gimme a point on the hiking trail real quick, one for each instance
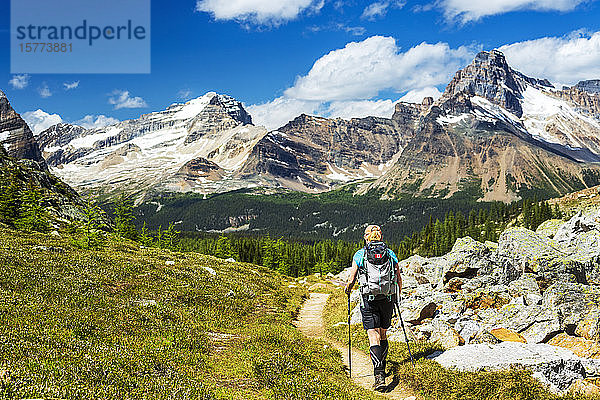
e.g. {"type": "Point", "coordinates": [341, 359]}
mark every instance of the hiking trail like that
{"type": "Point", "coordinates": [310, 322]}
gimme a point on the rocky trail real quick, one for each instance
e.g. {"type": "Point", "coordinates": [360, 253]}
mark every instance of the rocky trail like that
{"type": "Point", "coordinates": [310, 322]}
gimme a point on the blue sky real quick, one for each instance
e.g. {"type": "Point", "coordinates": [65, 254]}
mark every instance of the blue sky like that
{"type": "Point", "coordinates": [329, 57]}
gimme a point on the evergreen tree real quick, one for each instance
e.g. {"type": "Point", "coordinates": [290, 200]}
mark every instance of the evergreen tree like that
{"type": "Point", "coordinates": [32, 216]}
{"type": "Point", "coordinates": [124, 218]}
{"type": "Point", "coordinates": [170, 238]}
{"type": "Point", "coordinates": [89, 228]}
{"type": "Point", "coordinates": [145, 238]}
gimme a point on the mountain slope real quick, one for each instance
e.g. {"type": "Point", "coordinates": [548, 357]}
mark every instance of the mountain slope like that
{"type": "Point", "coordinates": [191, 146]}
{"type": "Point", "coordinates": [15, 136]}
{"type": "Point", "coordinates": [128, 322]}
{"type": "Point", "coordinates": [499, 135]}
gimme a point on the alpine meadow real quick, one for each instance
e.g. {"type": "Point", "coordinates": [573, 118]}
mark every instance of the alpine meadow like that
{"type": "Point", "coordinates": [301, 199]}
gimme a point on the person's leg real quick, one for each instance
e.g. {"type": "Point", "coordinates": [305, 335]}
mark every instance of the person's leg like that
{"type": "Point", "coordinates": [383, 343]}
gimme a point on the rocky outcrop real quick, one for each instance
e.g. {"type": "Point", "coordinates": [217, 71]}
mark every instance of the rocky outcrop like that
{"type": "Point", "coordinates": [15, 136]}
{"type": "Point", "coordinates": [590, 86]}
{"type": "Point", "coordinates": [314, 153]}
{"type": "Point", "coordinates": [557, 367]}
{"type": "Point", "coordinates": [495, 133]}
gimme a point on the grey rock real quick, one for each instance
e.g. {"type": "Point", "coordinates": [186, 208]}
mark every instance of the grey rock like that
{"type": "Point", "coordinates": [577, 306]}
{"type": "Point", "coordinates": [554, 366]}
{"type": "Point", "coordinates": [567, 234]}
{"type": "Point", "coordinates": [414, 311]}
{"type": "Point", "coordinates": [526, 284]}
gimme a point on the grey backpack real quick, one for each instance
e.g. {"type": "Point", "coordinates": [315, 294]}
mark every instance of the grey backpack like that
{"type": "Point", "coordinates": [377, 275]}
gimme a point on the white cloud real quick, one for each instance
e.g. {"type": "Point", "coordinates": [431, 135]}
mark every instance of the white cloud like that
{"type": "Point", "coordinates": [562, 60]}
{"type": "Point", "coordinates": [361, 108]}
{"type": "Point", "coordinates": [346, 82]}
{"type": "Point", "coordinates": [72, 85]}
{"type": "Point", "coordinates": [95, 121]}
{"type": "Point", "coordinates": [417, 95]}
{"type": "Point", "coordinates": [267, 12]}
{"type": "Point", "coordinates": [39, 120]}
{"type": "Point", "coordinates": [122, 99]}
{"type": "Point", "coordinates": [278, 112]}
{"type": "Point", "coordinates": [469, 10]}
{"type": "Point", "coordinates": [380, 8]}
{"type": "Point", "coordinates": [184, 94]}
{"type": "Point", "coordinates": [44, 91]}
{"type": "Point", "coordinates": [361, 70]}
{"type": "Point", "coordinates": [19, 81]}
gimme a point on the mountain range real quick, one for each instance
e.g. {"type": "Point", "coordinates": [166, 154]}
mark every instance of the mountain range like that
{"type": "Point", "coordinates": [494, 134]}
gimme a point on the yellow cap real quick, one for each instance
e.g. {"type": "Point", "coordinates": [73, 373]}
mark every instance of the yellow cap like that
{"type": "Point", "coordinates": [372, 233]}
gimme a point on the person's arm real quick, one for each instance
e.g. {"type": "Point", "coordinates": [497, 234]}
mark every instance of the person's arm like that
{"type": "Point", "coordinates": [351, 277]}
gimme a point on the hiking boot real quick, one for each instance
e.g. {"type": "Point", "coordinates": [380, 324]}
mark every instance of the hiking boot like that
{"type": "Point", "coordinates": [379, 384]}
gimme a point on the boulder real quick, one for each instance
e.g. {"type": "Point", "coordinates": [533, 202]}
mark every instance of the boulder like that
{"type": "Point", "coordinates": [554, 366]}
{"type": "Point", "coordinates": [535, 253]}
{"type": "Point", "coordinates": [549, 227]}
{"type": "Point", "coordinates": [584, 387]}
{"type": "Point", "coordinates": [465, 259]}
{"type": "Point", "coordinates": [578, 307]}
{"type": "Point", "coordinates": [568, 233]}
{"type": "Point", "coordinates": [507, 335]}
{"type": "Point", "coordinates": [414, 311]}
{"type": "Point", "coordinates": [468, 329]}
{"type": "Point", "coordinates": [582, 347]}
{"type": "Point", "coordinates": [445, 335]}
{"type": "Point", "coordinates": [524, 285]}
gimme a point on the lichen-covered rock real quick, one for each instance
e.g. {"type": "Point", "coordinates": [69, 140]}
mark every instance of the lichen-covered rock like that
{"type": "Point", "coordinates": [549, 228]}
{"type": "Point", "coordinates": [578, 306]}
{"type": "Point", "coordinates": [414, 311]}
{"type": "Point", "coordinates": [529, 251]}
{"type": "Point", "coordinates": [524, 285]}
{"type": "Point", "coordinates": [580, 346]}
{"type": "Point", "coordinates": [507, 335]}
{"type": "Point", "coordinates": [584, 387]}
{"type": "Point", "coordinates": [557, 367]}
{"type": "Point", "coordinates": [445, 335]}
{"type": "Point", "coordinates": [568, 233]}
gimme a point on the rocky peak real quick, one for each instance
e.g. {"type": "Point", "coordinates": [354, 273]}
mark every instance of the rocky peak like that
{"type": "Point", "coordinates": [233, 107]}
{"type": "Point", "coordinates": [489, 76]}
{"type": "Point", "coordinates": [590, 86]}
{"type": "Point", "coordinates": [15, 136]}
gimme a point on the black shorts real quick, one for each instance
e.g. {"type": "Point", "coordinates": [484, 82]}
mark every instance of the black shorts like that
{"type": "Point", "coordinates": [377, 313]}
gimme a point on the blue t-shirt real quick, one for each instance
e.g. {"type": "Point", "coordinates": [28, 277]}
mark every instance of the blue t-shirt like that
{"type": "Point", "coordinates": [360, 255]}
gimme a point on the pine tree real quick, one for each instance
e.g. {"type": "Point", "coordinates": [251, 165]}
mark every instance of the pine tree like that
{"type": "Point", "coordinates": [32, 217]}
{"type": "Point", "coordinates": [145, 237]}
{"type": "Point", "coordinates": [89, 228]}
{"type": "Point", "coordinates": [124, 218]}
{"type": "Point", "coordinates": [170, 238]}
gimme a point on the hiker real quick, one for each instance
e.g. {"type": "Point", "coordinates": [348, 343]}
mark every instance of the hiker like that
{"type": "Point", "coordinates": [378, 274]}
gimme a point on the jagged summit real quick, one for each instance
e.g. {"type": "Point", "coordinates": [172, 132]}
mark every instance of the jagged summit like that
{"type": "Point", "coordinates": [590, 86]}
{"type": "Point", "coordinates": [15, 136]}
{"type": "Point", "coordinates": [489, 76]}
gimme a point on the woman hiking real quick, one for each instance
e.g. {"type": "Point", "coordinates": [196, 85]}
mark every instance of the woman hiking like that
{"type": "Point", "coordinates": [378, 274]}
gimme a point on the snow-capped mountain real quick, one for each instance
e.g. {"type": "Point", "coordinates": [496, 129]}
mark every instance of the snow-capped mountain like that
{"type": "Point", "coordinates": [196, 146]}
{"type": "Point", "coordinates": [494, 132]}
{"type": "Point", "coordinates": [500, 134]}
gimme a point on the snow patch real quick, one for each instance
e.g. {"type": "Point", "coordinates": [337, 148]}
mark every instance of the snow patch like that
{"type": "Point", "coordinates": [89, 140]}
{"type": "Point", "coordinates": [210, 271]}
{"type": "Point", "coordinates": [194, 107]}
{"type": "Point", "coordinates": [4, 135]}
{"type": "Point", "coordinates": [451, 119]}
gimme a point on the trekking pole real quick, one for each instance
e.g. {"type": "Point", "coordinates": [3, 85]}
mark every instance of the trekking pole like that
{"type": "Point", "coordinates": [412, 360]}
{"type": "Point", "coordinates": [349, 339]}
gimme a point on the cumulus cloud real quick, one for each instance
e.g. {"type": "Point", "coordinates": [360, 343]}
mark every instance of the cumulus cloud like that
{"type": "Point", "coordinates": [122, 99]}
{"type": "Point", "coordinates": [95, 121]}
{"type": "Point", "coordinates": [380, 8]}
{"type": "Point", "coordinates": [262, 12]}
{"type": "Point", "coordinates": [469, 10]}
{"type": "Point", "coordinates": [71, 85]}
{"type": "Point", "coordinates": [281, 110]}
{"type": "Point", "coordinates": [19, 81]}
{"type": "Point", "coordinates": [44, 91]}
{"type": "Point", "coordinates": [562, 60]}
{"type": "Point", "coordinates": [363, 69]}
{"type": "Point", "coordinates": [361, 108]}
{"type": "Point", "coordinates": [346, 82]}
{"type": "Point", "coordinates": [39, 120]}
{"type": "Point", "coordinates": [417, 95]}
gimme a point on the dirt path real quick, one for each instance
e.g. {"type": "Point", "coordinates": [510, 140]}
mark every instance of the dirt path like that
{"type": "Point", "coordinates": [310, 322]}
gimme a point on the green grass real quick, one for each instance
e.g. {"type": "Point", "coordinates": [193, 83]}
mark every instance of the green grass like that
{"type": "Point", "coordinates": [431, 380]}
{"type": "Point", "coordinates": [126, 322]}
